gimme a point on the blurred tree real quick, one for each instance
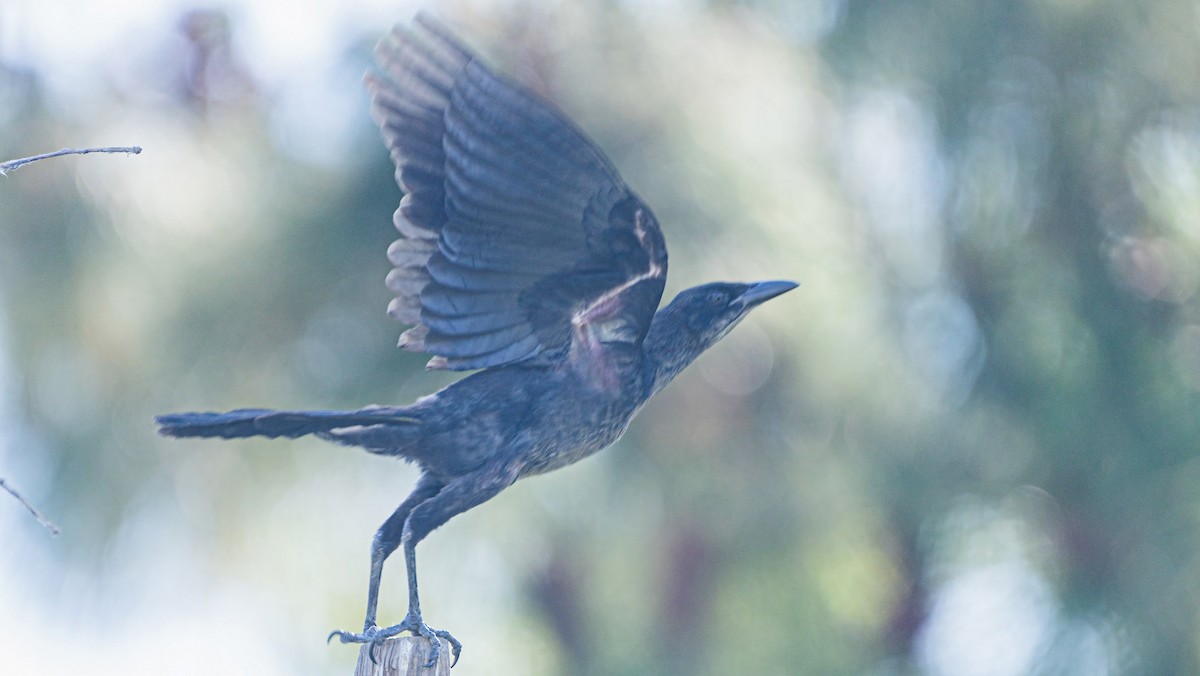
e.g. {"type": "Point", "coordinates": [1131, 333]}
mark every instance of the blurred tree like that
{"type": "Point", "coordinates": [1060, 249]}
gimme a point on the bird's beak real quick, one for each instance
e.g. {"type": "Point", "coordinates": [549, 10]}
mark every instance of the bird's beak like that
{"type": "Point", "coordinates": [764, 291]}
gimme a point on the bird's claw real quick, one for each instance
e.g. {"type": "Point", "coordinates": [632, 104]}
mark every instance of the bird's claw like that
{"type": "Point", "coordinates": [376, 636]}
{"type": "Point", "coordinates": [373, 635]}
{"type": "Point", "coordinates": [455, 646]}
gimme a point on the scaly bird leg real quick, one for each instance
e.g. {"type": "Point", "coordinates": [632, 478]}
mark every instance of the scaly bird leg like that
{"type": "Point", "coordinates": [387, 539]}
{"type": "Point", "coordinates": [455, 497]}
{"type": "Point", "coordinates": [412, 621]}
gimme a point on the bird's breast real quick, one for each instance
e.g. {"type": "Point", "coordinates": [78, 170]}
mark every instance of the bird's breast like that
{"type": "Point", "coordinates": [570, 428]}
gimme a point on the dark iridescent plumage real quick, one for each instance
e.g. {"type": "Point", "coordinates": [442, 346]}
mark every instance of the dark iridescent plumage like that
{"type": "Point", "coordinates": [524, 254]}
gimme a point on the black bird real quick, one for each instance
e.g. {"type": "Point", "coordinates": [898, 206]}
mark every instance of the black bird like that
{"type": "Point", "coordinates": [525, 255]}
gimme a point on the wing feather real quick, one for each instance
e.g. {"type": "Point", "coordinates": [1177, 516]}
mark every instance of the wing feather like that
{"type": "Point", "coordinates": [518, 235]}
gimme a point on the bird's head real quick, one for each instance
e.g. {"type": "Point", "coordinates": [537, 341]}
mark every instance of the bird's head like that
{"type": "Point", "coordinates": [700, 316]}
{"type": "Point", "coordinates": [709, 311]}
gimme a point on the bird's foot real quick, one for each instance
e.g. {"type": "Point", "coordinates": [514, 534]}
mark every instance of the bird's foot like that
{"type": "Point", "coordinates": [376, 636]}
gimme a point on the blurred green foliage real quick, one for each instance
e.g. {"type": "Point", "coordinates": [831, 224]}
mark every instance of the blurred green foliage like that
{"type": "Point", "coordinates": [967, 444]}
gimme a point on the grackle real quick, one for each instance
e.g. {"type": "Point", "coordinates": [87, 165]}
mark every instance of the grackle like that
{"type": "Point", "coordinates": [523, 256]}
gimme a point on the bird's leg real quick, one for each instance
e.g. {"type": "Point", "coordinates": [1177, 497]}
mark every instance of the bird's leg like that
{"type": "Point", "coordinates": [410, 562]}
{"type": "Point", "coordinates": [387, 538]}
{"type": "Point", "coordinates": [456, 497]}
{"type": "Point", "coordinates": [412, 620]}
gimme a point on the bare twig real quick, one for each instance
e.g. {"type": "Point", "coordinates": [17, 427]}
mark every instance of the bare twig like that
{"type": "Point", "coordinates": [32, 510]}
{"type": "Point", "coordinates": [10, 165]}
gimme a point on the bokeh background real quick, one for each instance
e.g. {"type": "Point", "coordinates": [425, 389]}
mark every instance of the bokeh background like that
{"type": "Point", "coordinates": [967, 445]}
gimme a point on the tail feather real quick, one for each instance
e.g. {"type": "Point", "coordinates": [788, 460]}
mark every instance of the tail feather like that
{"type": "Point", "coordinates": [250, 422]}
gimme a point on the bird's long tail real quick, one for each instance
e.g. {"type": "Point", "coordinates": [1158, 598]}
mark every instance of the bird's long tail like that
{"type": "Point", "coordinates": [250, 422]}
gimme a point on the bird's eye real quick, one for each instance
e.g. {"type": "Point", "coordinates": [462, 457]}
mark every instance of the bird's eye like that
{"type": "Point", "coordinates": [717, 297]}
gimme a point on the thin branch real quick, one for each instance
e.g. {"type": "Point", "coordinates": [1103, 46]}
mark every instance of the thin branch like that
{"type": "Point", "coordinates": [11, 165]}
{"type": "Point", "coordinates": [32, 510]}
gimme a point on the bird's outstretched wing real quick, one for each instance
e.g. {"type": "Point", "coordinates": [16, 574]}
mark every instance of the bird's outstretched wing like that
{"type": "Point", "coordinates": [521, 243]}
